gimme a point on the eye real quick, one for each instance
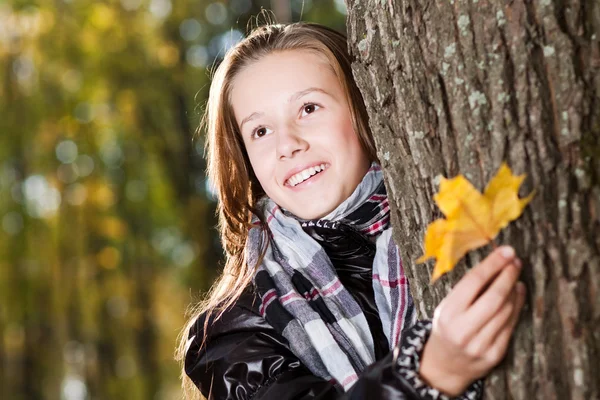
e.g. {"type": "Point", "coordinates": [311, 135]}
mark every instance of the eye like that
{"type": "Point", "coordinates": [309, 108]}
{"type": "Point", "coordinates": [260, 132]}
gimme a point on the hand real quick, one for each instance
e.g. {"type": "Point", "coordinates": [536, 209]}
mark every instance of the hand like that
{"type": "Point", "coordinates": [472, 326]}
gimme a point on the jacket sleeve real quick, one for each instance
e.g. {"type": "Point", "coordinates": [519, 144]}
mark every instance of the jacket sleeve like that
{"type": "Point", "coordinates": [243, 357]}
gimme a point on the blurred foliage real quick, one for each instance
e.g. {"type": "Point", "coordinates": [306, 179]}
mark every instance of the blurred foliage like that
{"type": "Point", "coordinates": [107, 225]}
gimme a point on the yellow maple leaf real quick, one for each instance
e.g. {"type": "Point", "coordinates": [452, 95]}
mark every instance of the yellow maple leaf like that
{"type": "Point", "coordinates": [472, 219]}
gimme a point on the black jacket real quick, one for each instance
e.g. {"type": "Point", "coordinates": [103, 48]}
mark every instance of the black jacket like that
{"type": "Point", "coordinates": [243, 356]}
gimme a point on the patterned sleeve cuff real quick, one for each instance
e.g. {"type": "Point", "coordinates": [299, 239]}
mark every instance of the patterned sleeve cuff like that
{"type": "Point", "coordinates": [409, 359]}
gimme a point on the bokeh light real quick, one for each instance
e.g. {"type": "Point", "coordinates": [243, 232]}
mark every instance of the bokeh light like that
{"type": "Point", "coordinates": [161, 8]}
{"type": "Point", "coordinates": [216, 13]}
{"type": "Point", "coordinates": [66, 151]}
{"type": "Point", "coordinates": [190, 29]}
{"type": "Point", "coordinates": [42, 199]}
{"type": "Point", "coordinates": [197, 56]}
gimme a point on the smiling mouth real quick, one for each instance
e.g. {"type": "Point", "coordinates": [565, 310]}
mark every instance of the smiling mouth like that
{"type": "Point", "coordinates": [306, 175]}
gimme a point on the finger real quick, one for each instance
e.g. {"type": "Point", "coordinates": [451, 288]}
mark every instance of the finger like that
{"type": "Point", "coordinates": [484, 338]}
{"type": "Point", "coordinates": [500, 344]}
{"type": "Point", "coordinates": [494, 297]}
{"type": "Point", "coordinates": [468, 288]}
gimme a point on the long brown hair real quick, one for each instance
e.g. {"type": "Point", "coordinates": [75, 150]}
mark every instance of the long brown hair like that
{"type": "Point", "coordinates": [229, 168]}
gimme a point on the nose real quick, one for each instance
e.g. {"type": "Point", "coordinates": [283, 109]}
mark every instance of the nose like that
{"type": "Point", "coordinates": [289, 141]}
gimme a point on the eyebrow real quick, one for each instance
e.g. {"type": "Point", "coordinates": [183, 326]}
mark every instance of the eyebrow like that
{"type": "Point", "coordinates": [293, 97]}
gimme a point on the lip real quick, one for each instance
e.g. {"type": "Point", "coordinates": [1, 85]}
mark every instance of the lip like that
{"type": "Point", "coordinates": [295, 170]}
{"type": "Point", "coordinates": [309, 182]}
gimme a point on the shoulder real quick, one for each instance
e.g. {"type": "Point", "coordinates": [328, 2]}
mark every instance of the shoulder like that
{"type": "Point", "coordinates": [242, 315]}
{"type": "Point", "coordinates": [239, 350]}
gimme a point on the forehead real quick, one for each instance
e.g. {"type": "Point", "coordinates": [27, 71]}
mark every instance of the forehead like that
{"type": "Point", "coordinates": [275, 77]}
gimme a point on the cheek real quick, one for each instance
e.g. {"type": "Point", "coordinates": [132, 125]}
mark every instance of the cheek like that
{"type": "Point", "coordinates": [347, 138]}
{"type": "Point", "coordinates": [262, 166]}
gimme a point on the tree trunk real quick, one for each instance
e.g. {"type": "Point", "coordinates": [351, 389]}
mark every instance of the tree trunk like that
{"type": "Point", "coordinates": [459, 86]}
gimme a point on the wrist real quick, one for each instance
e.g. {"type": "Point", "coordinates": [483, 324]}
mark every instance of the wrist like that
{"type": "Point", "coordinates": [445, 381]}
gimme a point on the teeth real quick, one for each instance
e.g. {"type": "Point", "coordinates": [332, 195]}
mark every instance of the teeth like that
{"type": "Point", "coordinates": [304, 175]}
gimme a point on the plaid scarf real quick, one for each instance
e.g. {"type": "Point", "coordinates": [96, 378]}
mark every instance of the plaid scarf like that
{"type": "Point", "coordinates": [303, 298]}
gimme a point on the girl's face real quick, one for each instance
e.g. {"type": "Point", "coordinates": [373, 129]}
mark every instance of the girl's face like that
{"type": "Point", "coordinates": [297, 129]}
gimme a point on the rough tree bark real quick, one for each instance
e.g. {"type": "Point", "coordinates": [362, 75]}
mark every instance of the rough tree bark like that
{"type": "Point", "coordinates": [458, 86]}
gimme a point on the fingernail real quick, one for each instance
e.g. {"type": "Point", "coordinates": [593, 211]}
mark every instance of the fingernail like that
{"type": "Point", "coordinates": [521, 287]}
{"type": "Point", "coordinates": [507, 252]}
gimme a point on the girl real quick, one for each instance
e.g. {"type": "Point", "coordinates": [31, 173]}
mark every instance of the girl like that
{"type": "Point", "coordinates": [313, 302]}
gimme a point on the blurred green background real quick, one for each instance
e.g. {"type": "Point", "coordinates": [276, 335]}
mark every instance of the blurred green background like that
{"type": "Point", "coordinates": [106, 218]}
